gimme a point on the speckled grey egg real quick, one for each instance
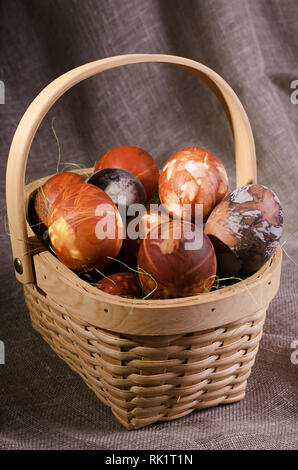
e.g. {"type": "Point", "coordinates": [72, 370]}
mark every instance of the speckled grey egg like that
{"type": "Point", "coordinates": [123, 187]}
{"type": "Point", "coordinates": [245, 228]}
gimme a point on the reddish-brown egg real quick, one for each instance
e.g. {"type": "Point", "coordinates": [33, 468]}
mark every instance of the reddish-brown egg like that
{"type": "Point", "coordinates": [137, 229]}
{"type": "Point", "coordinates": [176, 260]}
{"type": "Point", "coordinates": [192, 176]}
{"type": "Point", "coordinates": [48, 192]}
{"type": "Point", "coordinates": [135, 160]}
{"type": "Point", "coordinates": [130, 248]}
{"type": "Point", "coordinates": [245, 228]}
{"type": "Point", "coordinates": [85, 228]}
{"type": "Point", "coordinates": [125, 284]}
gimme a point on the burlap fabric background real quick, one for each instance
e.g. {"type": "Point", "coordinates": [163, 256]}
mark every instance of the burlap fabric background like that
{"type": "Point", "coordinates": [253, 44]}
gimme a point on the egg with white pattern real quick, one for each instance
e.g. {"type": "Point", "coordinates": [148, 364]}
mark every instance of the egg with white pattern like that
{"type": "Point", "coordinates": [85, 228]}
{"type": "Point", "coordinates": [195, 177]}
{"type": "Point", "coordinates": [245, 228]}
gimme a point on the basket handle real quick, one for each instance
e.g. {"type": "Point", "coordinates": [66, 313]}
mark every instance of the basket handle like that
{"type": "Point", "coordinates": [15, 177]}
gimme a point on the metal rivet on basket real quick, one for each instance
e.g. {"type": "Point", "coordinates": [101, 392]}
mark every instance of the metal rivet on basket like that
{"type": "Point", "coordinates": [18, 265]}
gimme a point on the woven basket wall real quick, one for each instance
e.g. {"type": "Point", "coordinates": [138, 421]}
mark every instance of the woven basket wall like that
{"type": "Point", "coordinates": [147, 379]}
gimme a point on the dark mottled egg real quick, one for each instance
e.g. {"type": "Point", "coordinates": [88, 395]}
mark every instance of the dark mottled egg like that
{"type": "Point", "coordinates": [46, 238]}
{"type": "Point", "coordinates": [92, 276]}
{"type": "Point", "coordinates": [135, 160]}
{"type": "Point", "coordinates": [245, 228]}
{"type": "Point", "coordinates": [123, 187]}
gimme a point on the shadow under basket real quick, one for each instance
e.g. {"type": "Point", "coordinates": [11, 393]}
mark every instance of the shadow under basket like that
{"type": "Point", "coordinates": [148, 360]}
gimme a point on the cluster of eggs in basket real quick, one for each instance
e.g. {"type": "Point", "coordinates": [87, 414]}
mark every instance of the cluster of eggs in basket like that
{"type": "Point", "coordinates": [185, 231]}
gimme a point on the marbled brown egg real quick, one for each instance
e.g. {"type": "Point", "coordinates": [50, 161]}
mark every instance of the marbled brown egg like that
{"type": "Point", "coordinates": [50, 190]}
{"type": "Point", "coordinates": [85, 229]}
{"type": "Point", "coordinates": [171, 263]}
{"type": "Point", "coordinates": [137, 228]}
{"type": "Point", "coordinates": [192, 176]}
{"type": "Point", "coordinates": [245, 228]}
{"type": "Point", "coordinates": [125, 284]}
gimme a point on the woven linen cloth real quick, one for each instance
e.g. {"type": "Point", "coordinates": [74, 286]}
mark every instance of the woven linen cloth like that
{"type": "Point", "coordinates": [253, 45]}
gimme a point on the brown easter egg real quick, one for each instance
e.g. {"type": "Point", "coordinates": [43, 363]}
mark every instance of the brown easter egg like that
{"type": "Point", "coordinates": [85, 228]}
{"type": "Point", "coordinates": [130, 248]}
{"type": "Point", "coordinates": [137, 229]}
{"type": "Point", "coordinates": [125, 284]}
{"type": "Point", "coordinates": [176, 260]}
{"type": "Point", "coordinates": [48, 192]}
{"type": "Point", "coordinates": [134, 160]}
{"type": "Point", "coordinates": [192, 176]}
{"type": "Point", "coordinates": [245, 228]}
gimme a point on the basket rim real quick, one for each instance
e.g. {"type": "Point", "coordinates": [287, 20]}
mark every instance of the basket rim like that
{"type": "Point", "coordinates": [203, 298]}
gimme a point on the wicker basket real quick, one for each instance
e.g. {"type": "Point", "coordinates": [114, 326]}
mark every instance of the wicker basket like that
{"type": "Point", "coordinates": [149, 360]}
